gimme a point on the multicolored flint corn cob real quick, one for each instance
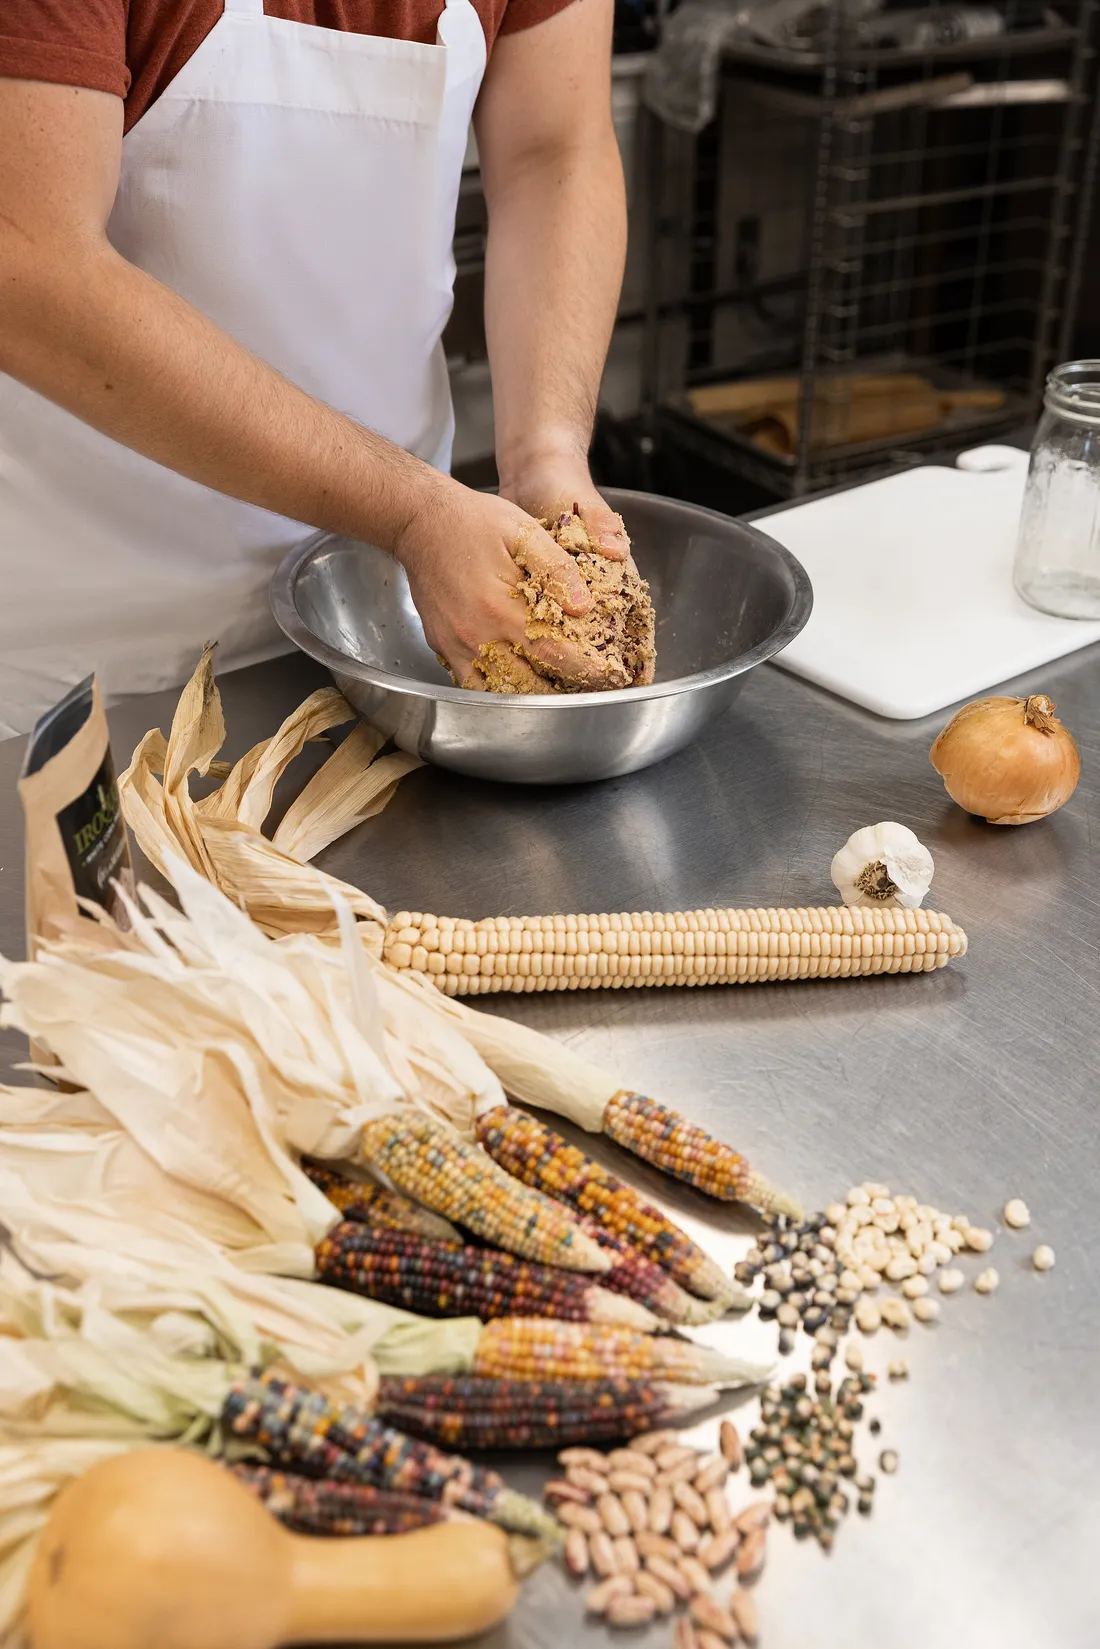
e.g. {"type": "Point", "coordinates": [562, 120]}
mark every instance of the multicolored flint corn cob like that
{"type": "Point", "coordinates": [374, 1205]}
{"type": "Point", "coordinates": [470, 1412]}
{"type": "Point", "coordinates": [461, 1182]}
{"type": "Point", "coordinates": [640, 1279]}
{"type": "Point", "coordinates": [677, 1147]}
{"type": "Point", "coordinates": [531, 1348]}
{"type": "Point", "coordinates": [453, 1279]}
{"type": "Point", "coordinates": [538, 1156]}
{"type": "Point", "coordinates": [683, 947]}
{"type": "Point", "coordinates": [313, 1507]}
{"type": "Point", "coordinates": [304, 1432]}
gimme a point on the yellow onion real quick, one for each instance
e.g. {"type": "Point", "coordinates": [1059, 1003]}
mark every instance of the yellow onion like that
{"type": "Point", "coordinates": [1009, 760]}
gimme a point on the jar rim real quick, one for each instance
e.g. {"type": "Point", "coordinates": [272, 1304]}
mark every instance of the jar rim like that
{"type": "Point", "coordinates": [1073, 389]}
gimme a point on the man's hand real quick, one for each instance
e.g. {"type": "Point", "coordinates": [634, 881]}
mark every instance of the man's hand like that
{"type": "Point", "coordinates": [116, 348]}
{"type": "Point", "coordinates": [457, 551]}
{"type": "Point", "coordinates": [547, 488]}
{"type": "Point", "coordinates": [113, 346]}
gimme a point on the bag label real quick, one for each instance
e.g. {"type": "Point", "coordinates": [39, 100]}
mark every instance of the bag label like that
{"type": "Point", "coordinates": [94, 836]}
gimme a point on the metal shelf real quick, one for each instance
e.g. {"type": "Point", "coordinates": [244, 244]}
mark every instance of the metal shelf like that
{"type": "Point", "coordinates": [856, 204]}
{"type": "Point", "coordinates": [1027, 43]}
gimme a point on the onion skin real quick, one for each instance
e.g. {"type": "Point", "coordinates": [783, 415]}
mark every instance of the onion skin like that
{"type": "Point", "coordinates": [1010, 761]}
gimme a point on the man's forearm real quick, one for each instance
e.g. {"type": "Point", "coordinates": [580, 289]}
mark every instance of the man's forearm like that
{"type": "Point", "coordinates": [122, 352]}
{"type": "Point", "coordinates": [112, 345]}
{"type": "Point", "coordinates": [557, 242]}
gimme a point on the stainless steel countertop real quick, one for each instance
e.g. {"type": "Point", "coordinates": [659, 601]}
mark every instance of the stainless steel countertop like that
{"type": "Point", "coordinates": [964, 1087]}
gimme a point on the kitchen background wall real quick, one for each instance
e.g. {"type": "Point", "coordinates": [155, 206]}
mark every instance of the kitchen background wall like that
{"type": "Point", "coordinates": [873, 252]}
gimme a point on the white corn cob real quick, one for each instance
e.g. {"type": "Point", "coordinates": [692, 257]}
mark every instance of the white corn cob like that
{"type": "Point", "coordinates": [693, 947]}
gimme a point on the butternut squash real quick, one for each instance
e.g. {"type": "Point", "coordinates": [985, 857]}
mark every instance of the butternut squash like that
{"type": "Point", "coordinates": [163, 1549]}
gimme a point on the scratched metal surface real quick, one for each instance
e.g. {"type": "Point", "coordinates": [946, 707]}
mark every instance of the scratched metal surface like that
{"type": "Point", "coordinates": [963, 1087]}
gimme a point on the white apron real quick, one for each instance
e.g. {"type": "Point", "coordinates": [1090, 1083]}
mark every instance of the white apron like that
{"type": "Point", "coordinates": [297, 185]}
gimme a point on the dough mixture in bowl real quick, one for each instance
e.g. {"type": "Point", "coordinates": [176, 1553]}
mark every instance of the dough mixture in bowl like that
{"type": "Point", "coordinates": [616, 633]}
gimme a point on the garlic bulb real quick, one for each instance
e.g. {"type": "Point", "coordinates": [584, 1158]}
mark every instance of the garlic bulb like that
{"type": "Point", "coordinates": [883, 864]}
{"type": "Point", "coordinates": [1008, 760]}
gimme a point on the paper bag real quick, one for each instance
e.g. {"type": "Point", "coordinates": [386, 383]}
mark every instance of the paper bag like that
{"type": "Point", "coordinates": [76, 841]}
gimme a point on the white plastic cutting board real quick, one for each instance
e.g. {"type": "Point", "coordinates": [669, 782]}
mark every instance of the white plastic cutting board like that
{"type": "Point", "coordinates": [914, 607]}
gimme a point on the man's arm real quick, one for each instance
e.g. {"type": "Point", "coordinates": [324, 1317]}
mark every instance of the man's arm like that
{"type": "Point", "coordinates": [553, 183]}
{"type": "Point", "coordinates": [116, 348]}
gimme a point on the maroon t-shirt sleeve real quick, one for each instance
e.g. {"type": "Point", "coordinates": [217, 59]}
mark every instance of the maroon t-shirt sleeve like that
{"type": "Point", "coordinates": [134, 48]}
{"type": "Point", "coordinates": [68, 42]}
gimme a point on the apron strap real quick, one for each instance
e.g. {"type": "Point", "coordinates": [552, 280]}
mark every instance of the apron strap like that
{"type": "Point", "coordinates": [246, 8]}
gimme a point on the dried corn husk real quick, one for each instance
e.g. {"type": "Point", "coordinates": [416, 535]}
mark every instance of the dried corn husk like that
{"type": "Point", "coordinates": [114, 1279]}
{"type": "Point", "coordinates": [170, 1071]}
{"type": "Point", "coordinates": [342, 794]}
{"type": "Point", "coordinates": [135, 1335]}
{"type": "Point", "coordinates": [284, 899]}
{"type": "Point", "coordinates": [82, 1161]}
{"type": "Point", "coordinates": [213, 1057]}
{"type": "Point", "coordinates": [73, 1357]}
{"type": "Point", "coordinates": [78, 1281]}
{"type": "Point", "coordinates": [141, 1343]}
{"type": "Point", "coordinates": [220, 836]}
{"type": "Point", "coordinates": [92, 1385]}
{"type": "Point", "coordinates": [247, 792]}
{"type": "Point", "coordinates": [532, 1067]}
{"type": "Point", "coordinates": [223, 1054]}
{"type": "Point", "coordinates": [79, 1383]}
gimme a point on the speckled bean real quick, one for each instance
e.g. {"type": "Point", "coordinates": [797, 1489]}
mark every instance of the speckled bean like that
{"type": "Point", "coordinates": [592, 1458]}
{"type": "Point", "coordinates": [681, 1473]}
{"type": "Point", "coordinates": [684, 1532]}
{"type": "Point", "coordinates": [647, 1585]}
{"type": "Point", "coordinates": [589, 1481]}
{"type": "Point", "coordinates": [630, 1610]}
{"type": "Point", "coordinates": [652, 1442]}
{"type": "Point", "coordinates": [585, 1518]}
{"type": "Point", "coordinates": [657, 1545]}
{"type": "Point", "coordinates": [750, 1558]}
{"type": "Point", "coordinates": [557, 1490]}
{"type": "Point", "coordinates": [719, 1550]}
{"type": "Point", "coordinates": [600, 1596]}
{"type": "Point", "coordinates": [718, 1510]}
{"type": "Point", "coordinates": [602, 1553]}
{"type": "Point", "coordinates": [667, 1459]}
{"type": "Point", "coordinates": [696, 1576]}
{"type": "Point", "coordinates": [636, 1507]}
{"type": "Point", "coordinates": [620, 1482]}
{"type": "Point", "coordinates": [612, 1515]}
{"type": "Point", "coordinates": [670, 1574]}
{"type": "Point", "coordinates": [575, 1553]}
{"type": "Point", "coordinates": [711, 1474]}
{"type": "Point", "coordinates": [729, 1443]}
{"type": "Point", "coordinates": [756, 1516]}
{"type": "Point", "coordinates": [691, 1501]}
{"type": "Point", "coordinates": [660, 1510]}
{"type": "Point", "coordinates": [711, 1617]}
{"type": "Point", "coordinates": [709, 1640]}
{"type": "Point", "coordinates": [627, 1561]}
{"type": "Point", "coordinates": [743, 1610]}
{"type": "Point", "coordinates": [632, 1460]}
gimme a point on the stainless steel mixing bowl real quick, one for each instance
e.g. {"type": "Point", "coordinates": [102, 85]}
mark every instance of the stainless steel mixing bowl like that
{"type": "Point", "coordinates": [727, 597]}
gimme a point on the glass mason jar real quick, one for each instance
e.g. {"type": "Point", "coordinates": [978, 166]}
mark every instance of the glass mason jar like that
{"type": "Point", "coordinates": [1058, 550]}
